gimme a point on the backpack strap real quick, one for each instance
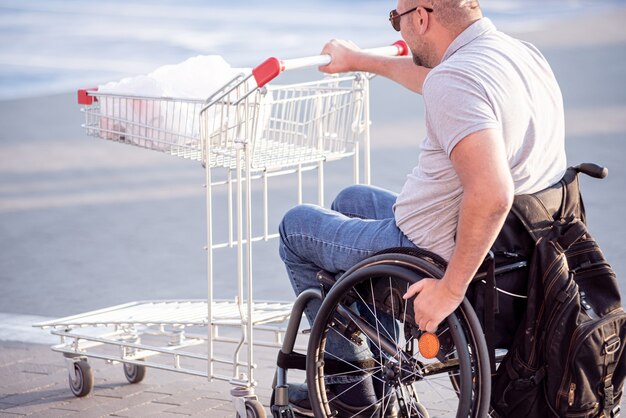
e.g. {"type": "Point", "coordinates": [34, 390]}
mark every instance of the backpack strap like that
{"type": "Point", "coordinates": [574, 231]}
{"type": "Point", "coordinates": [610, 353]}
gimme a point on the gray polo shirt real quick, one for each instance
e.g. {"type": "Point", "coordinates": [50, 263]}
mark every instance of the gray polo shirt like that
{"type": "Point", "coordinates": [487, 80]}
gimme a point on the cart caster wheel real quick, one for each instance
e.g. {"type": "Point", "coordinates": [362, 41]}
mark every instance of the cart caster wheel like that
{"type": "Point", "coordinates": [81, 382]}
{"type": "Point", "coordinates": [254, 409]}
{"type": "Point", "coordinates": [134, 373]}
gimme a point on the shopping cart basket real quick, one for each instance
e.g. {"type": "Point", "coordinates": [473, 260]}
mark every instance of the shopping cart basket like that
{"type": "Point", "coordinates": [248, 130]}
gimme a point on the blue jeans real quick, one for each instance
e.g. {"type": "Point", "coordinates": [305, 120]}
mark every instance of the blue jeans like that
{"type": "Point", "coordinates": [359, 224]}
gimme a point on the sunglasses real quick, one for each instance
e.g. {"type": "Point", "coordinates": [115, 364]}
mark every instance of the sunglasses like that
{"type": "Point", "coordinates": [395, 17]}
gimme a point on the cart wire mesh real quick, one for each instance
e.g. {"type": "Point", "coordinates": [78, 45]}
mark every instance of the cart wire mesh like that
{"type": "Point", "coordinates": [282, 125]}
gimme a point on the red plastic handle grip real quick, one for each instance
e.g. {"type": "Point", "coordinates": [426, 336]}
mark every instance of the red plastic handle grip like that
{"type": "Point", "coordinates": [267, 71]}
{"type": "Point", "coordinates": [403, 48]}
{"type": "Point", "coordinates": [84, 98]}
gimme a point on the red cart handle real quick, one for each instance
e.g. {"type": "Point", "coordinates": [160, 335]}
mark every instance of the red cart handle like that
{"type": "Point", "coordinates": [84, 98]}
{"type": "Point", "coordinates": [272, 67]}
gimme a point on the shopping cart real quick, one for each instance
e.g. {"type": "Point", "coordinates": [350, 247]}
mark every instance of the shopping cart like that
{"type": "Point", "coordinates": [247, 132]}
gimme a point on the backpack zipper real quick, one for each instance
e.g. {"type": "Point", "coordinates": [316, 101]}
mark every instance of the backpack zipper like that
{"type": "Point", "coordinates": [572, 391]}
{"type": "Point", "coordinates": [560, 264]}
{"type": "Point", "coordinates": [571, 279]}
{"type": "Point", "coordinates": [552, 322]}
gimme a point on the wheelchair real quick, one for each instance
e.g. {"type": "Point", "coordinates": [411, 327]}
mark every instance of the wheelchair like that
{"type": "Point", "coordinates": [417, 374]}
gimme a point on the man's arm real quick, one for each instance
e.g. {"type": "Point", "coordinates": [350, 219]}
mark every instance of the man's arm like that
{"type": "Point", "coordinates": [346, 56]}
{"type": "Point", "coordinates": [481, 164]}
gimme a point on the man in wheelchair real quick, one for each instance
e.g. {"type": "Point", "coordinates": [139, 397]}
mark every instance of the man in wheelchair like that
{"type": "Point", "coordinates": [494, 129]}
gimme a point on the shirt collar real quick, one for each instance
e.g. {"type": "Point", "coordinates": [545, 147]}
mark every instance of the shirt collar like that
{"type": "Point", "coordinates": [476, 29]}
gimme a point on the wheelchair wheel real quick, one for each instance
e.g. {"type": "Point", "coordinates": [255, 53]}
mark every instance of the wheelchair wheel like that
{"type": "Point", "coordinates": [365, 309]}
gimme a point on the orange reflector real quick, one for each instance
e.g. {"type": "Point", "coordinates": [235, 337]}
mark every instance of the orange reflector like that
{"type": "Point", "coordinates": [428, 344]}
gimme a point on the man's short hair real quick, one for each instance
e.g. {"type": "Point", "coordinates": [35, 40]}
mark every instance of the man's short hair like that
{"type": "Point", "coordinates": [455, 14]}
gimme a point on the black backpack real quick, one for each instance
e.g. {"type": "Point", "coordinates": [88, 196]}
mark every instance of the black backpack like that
{"type": "Point", "coordinates": [567, 357]}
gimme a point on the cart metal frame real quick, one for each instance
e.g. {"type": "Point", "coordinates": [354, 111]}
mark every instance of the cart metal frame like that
{"type": "Point", "coordinates": [248, 131]}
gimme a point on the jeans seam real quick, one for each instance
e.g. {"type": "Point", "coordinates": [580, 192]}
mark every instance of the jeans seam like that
{"type": "Point", "coordinates": [352, 215]}
{"type": "Point", "coordinates": [333, 244]}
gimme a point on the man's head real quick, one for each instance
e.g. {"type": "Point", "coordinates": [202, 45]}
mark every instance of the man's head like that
{"type": "Point", "coordinates": [429, 26]}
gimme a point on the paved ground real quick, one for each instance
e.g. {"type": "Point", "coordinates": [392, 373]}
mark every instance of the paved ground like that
{"type": "Point", "coordinates": [34, 382]}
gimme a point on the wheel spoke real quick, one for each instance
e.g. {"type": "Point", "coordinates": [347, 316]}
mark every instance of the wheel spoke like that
{"type": "Point", "coordinates": [373, 313]}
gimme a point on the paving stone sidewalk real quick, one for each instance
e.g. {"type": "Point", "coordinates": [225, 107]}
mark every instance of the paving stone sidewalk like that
{"type": "Point", "coordinates": [34, 382]}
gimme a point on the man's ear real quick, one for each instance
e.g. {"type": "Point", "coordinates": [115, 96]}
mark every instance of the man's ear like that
{"type": "Point", "coordinates": [423, 20]}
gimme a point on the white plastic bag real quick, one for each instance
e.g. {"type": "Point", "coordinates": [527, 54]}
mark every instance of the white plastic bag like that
{"type": "Point", "coordinates": [142, 113]}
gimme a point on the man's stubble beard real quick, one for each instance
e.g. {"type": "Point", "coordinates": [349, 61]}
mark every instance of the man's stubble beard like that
{"type": "Point", "coordinates": [425, 58]}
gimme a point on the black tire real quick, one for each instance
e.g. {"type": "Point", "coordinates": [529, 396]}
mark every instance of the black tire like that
{"type": "Point", "coordinates": [81, 383]}
{"type": "Point", "coordinates": [355, 309]}
{"type": "Point", "coordinates": [134, 373]}
{"type": "Point", "coordinates": [254, 409]}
